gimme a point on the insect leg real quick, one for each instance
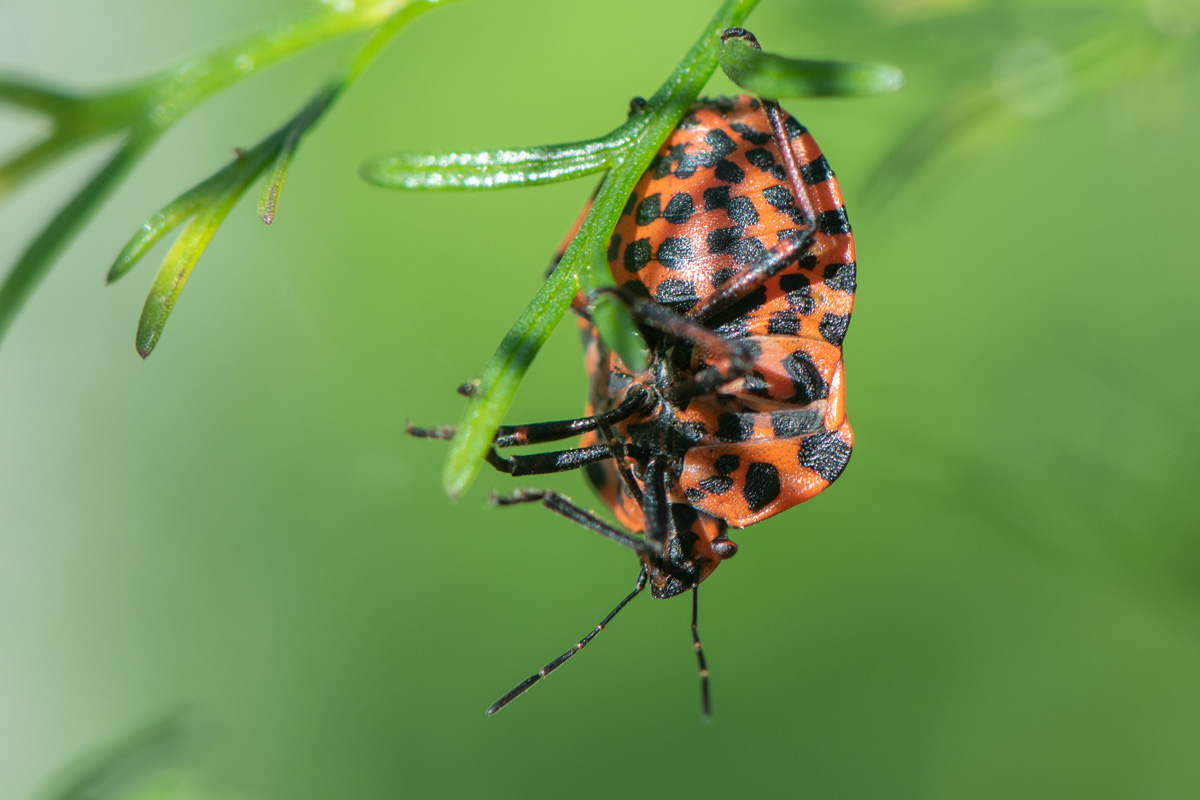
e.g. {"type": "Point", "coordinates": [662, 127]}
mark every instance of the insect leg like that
{"type": "Point", "coordinates": [704, 701]}
{"type": "Point", "coordinates": [562, 505]}
{"type": "Point", "coordinates": [543, 463]}
{"type": "Point", "coordinates": [781, 255]}
{"type": "Point", "coordinates": [655, 508]}
{"type": "Point", "coordinates": [528, 683]}
{"type": "Point", "coordinates": [538, 432]}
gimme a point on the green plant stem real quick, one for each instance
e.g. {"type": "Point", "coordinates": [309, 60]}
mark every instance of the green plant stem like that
{"type": "Point", "coordinates": [181, 89]}
{"type": "Point", "coordinates": [30, 268]}
{"type": "Point", "coordinates": [147, 109]}
{"type": "Point", "coordinates": [520, 346]}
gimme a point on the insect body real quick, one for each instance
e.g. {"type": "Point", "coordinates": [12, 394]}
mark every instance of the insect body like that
{"type": "Point", "coordinates": [737, 262]}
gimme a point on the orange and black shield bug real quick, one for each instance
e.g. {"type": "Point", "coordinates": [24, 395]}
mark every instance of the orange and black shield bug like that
{"type": "Point", "coordinates": [736, 260]}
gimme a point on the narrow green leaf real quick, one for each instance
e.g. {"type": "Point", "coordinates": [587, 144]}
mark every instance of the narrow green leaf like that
{"type": "Point", "coordinates": [504, 371]}
{"type": "Point", "coordinates": [775, 76]}
{"type": "Point", "coordinates": [217, 195]}
{"type": "Point", "coordinates": [153, 229]}
{"type": "Point", "coordinates": [495, 169]}
{"type": "Point", "coordinates": [268, 199]}
{"type": "Point", "coordinates": [32, 265]}
{"type": "Point", "coordinates": [222, 191]}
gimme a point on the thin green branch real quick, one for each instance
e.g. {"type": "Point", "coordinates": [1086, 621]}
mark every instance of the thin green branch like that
{"type": "Point", "coordinates": [181, 89]}
{"type": "Point", "coordinates": [208, 203]}
{"type": "Point", "coordinates": [36, 97]}
{"type": "Point", "coordinates": [145, 110]}
{"type": "Point", "coordinates": [507, 366]}
{"type": "Point", "coordinates": [54, 237]}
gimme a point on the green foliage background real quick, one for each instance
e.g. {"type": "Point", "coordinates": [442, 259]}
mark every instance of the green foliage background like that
{"type": "Point", "coordinates": [998, 599]}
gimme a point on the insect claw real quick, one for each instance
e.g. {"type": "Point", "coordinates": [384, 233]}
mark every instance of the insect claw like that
{"type": "Point", "coordinates": [440, 432]}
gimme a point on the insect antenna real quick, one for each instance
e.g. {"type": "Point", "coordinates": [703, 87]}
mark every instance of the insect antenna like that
{"type": "Point", "coordinates": [705, 706]}
{"type": "Point", "coordinates": [528, 683]}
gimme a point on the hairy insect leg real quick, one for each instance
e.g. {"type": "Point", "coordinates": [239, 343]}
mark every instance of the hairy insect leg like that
{"type": "Point", "coordinates": [528, 683]}
{"type": "Point", "coordinates": [705, 705]}
{"type": "Point", "coordinates": [778, 257]}
{"type": "Point", "coordinates": [564, 506]}
{"type": "Point", "coordinates": [535, 433]}
{"type": "Point", "coordinates": [539, 432]}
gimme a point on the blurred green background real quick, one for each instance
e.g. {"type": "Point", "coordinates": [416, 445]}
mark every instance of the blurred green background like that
{"type": "Point", "coordinates": [998, 599]}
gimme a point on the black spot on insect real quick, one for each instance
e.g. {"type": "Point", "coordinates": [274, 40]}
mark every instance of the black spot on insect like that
{"type": "Point", "coordinates": [761, 157]}
{"type": "Point", "coordinates": [720, 143]}
{"type": "Point", "coordinates": [726, 464]}
{"type": "Point", "coordinates": [792, 282]}
{"type": "Point", "coordinates": [825, 454]}
{"type": "Point", "coordinates": [733, 428]}
{"type": "Point", "coordinates": [689, 163]}
{"type": "Point", "coordinates": [630, 204]}
{"type": "Point", "coordinates": [736, 328]}
{"type": "Point", "coordinates": [614, 247]}
{"type": "Point", "coordinates": [816, 171]}
{"type": "Point", "coordinates": [807, 382]}
{"type": "Point", "coordinates": [842, 277]}
{"type": "Point", "coordinates": [716, 197]}
{"type": "Point", "coordinates": [729, 172]}
{"type": "Point", "coordinates": [717, 484]}
{"type": "Point", "coordinates": [637, 254]}
{"type": "Point", "coordinates": [649, 209]}
{"type": "Point", "coordinates": [675, 252]}
{"type": "Point", "coordinates": [783, 323]}
{"type": "Point", "coordinates": [636, 288]}
{"type": "Point", "coordinates": [720, 276]}
{"type": "Point", "coordinates": [660, 167]}
{"type": "Point", "coordinates": [833, 327]}
{"type": "Point", "coordinates": [721, 239]}
{"type": "Point", "coordinates": [678, 295]}
{"type": "Point", "coordinates": [782, 199]}
{"type": "Point", "coordinates": [790, 424]}
{"type": "Point", "coordinates": [748, 251]}
{"type": "Point", "coordinates": [686, 435]}
{"type": "Point", "coordinates": [802, 302]}
{"type": "Point", "coordinates": [679, 210]}
{"type": "Point", "coordinates": [741, 211]}
{"type": "Point", "coordinates": [693, 494]}
{"type": "Point", "coordinates": [833, 222]}
{"type": "Point", "coordinates": [762, 485]}
{"type": "Point", "coordinates": [751, 135]}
